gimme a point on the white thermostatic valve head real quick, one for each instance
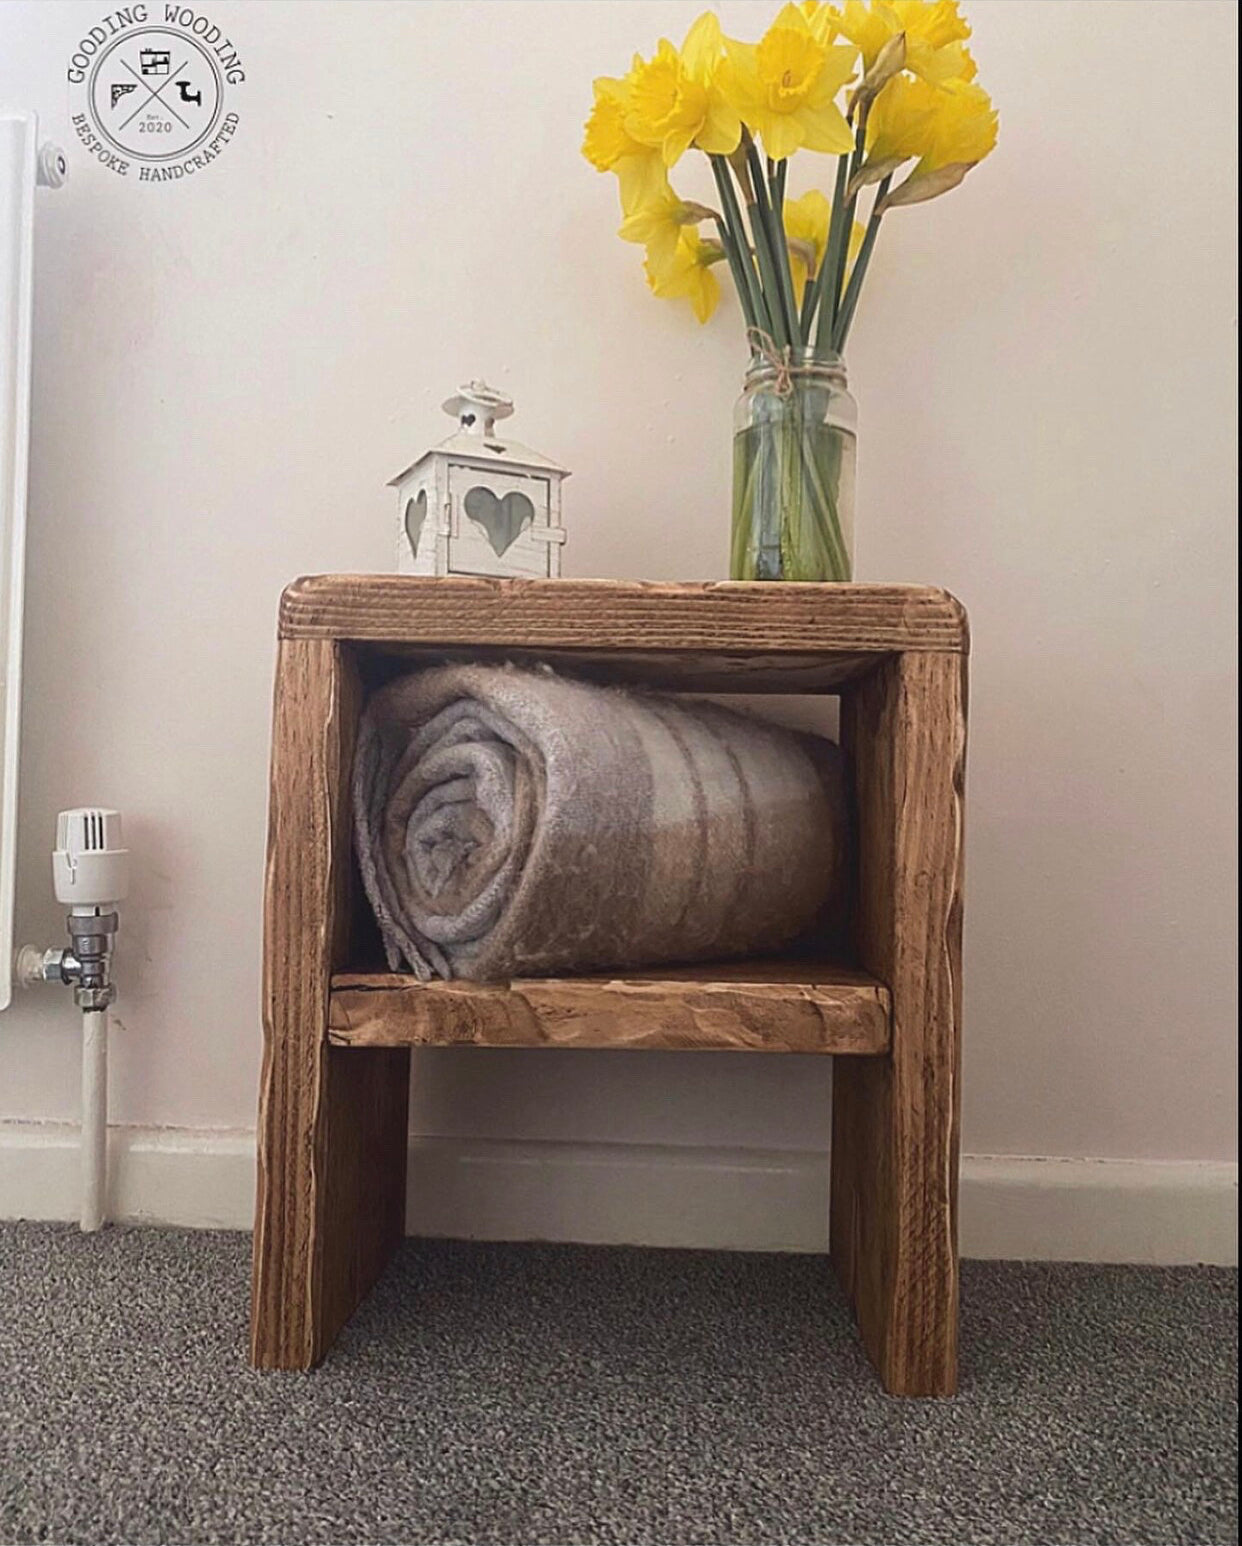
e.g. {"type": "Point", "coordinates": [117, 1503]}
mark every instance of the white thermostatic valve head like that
{"type": "Point", "coordinates": [90, 865]}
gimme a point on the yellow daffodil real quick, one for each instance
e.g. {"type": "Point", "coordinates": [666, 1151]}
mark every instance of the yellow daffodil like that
{"type": "Point", "coordinates": [674, 100]}
{"type": "Point", "coordinates": [658, 220]}
{"type": "Point", "coordinates": [656, 223]}
{"type": "Point", "coordinates": [785, 86]}
{"type": "Point", "coordinates": [606, 139]}
{"type": "Point", "coordinates": [687, 273]}
{"type": "Point", "coordinates": [640, 179]}
{"type": "Point", "coordinates": [967, 68]}
{"type": "Point", "coordinates": [964, 127]}
{"type": "Point", "coordinates": [935, 33]}
{"type": "Point", "coordinates": [961, 131]}
{"type": "Point", "coordinates": [899, 127]}
{"type": "Point", "coordinates": [806, 227]}
{"type": "Point", "coordinates": [938, 23]}
{"type": "Point", "coordinates": [610, 147]}
{"type": "Point", "coordinates": [821, 18]}
{"type": "Point", "coordinates": [908, 99]}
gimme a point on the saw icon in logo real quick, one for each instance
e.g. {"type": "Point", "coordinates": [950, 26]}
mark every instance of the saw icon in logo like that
{"type": "Point", "coordinates": [155, 94]}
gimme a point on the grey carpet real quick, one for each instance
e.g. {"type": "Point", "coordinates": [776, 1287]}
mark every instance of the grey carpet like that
{"type": "Point", "coordinates": [562, 1394]}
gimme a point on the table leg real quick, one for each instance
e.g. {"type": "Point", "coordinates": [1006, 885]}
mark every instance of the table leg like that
{"type": "Point", "coordinates": [893, 1225]}
{"type": "Point", "coordinates": [332, 1121]}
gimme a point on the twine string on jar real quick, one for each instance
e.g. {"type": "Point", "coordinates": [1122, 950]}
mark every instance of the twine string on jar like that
{"type": "Point", "coordinates": [781, 360]}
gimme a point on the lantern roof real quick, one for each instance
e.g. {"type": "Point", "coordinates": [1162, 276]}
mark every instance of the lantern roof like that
{"type": "Point", "coordinates": [476, 407]}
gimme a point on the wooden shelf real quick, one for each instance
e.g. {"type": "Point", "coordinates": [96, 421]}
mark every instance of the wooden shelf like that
{"type": "Point", "coordinates": [724, 636]}
{"type": "Point", "coordinates": [785, 1005]}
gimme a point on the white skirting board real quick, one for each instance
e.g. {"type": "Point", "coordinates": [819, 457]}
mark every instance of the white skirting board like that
{"type": "Point", "coordinates": [1152, 1211]}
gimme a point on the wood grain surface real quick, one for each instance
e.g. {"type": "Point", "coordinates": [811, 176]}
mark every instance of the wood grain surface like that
{"type": "Point", "coordinates": [895, 1120]}
{"type": "Point", "coordinates": [698, 671]}
{"type": "Point", "coordinates": [734, 617]}
{"type": "Point", "coordinates": [332, 1125]}
{"type": "Point", "coordinates": [778, 1006]}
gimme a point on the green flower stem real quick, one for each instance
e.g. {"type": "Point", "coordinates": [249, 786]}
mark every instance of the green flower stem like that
{"type": "Point", "coordinates": [849, 301]}
{"type": "Point", "coordinates": [777, 172]}
{"type": "Point", "coordinates": [741, 246]}
{"type": "Point", "coordinates": [825, 506]}
{"type": "Point", "coordinates": [738, 272]}
{"type": "Point", "coordinates": [787, 481]}
{"type": "Point", "coordinates": [814, 297]}
{"type": "Point", "coordinates": [770, 235]}
{"type": "Point", "coordinates": [779, 330]}
{"type": "Point", "coordinates": [768, 531]}
{"type": "Point", "coordinates": [781, 240]}
{"type": "Point", "coordinates": [832, 300]}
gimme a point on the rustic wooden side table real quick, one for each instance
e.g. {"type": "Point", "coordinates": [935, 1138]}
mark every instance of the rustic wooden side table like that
{"type": "Point", "coordinates": [333, 1107]}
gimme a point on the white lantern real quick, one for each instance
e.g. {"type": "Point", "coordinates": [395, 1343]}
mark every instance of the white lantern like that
{"type": "Point", "coordinates": [477, 504]}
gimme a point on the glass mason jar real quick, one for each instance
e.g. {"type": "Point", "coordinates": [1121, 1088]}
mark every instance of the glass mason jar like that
{"type": "Point", "coordinates": [794, 450]}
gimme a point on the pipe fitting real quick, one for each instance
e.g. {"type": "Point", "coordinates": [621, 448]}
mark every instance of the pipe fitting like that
{"type": "Point", "coordinates": [32, 965]}
{"type": "Point", "coordinates": [86, 966]}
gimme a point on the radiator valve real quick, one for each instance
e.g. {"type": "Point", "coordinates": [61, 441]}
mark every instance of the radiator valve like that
{"type": "Point", "coordinates": [90, 871]}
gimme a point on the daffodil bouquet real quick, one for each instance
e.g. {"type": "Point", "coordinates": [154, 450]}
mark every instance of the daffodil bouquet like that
{"type": "Point", "coordinates": [889, 88]}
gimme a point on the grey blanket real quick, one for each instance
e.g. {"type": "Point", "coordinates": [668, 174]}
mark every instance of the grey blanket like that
{"type": "Point", "coordinates": [513, 822]}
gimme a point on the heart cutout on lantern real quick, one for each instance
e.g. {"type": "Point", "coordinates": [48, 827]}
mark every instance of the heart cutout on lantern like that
{"type": "Point", "coordinates": [503, 520]}
{"type": "Point", "coordinates": [415, 516]}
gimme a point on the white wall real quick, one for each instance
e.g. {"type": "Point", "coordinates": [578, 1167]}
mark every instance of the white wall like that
{"type": "Point", "coordinates": [228, 370]}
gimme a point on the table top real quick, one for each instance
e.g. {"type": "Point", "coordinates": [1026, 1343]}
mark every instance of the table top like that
{"type": "Point", "coordinates": [757, 618]}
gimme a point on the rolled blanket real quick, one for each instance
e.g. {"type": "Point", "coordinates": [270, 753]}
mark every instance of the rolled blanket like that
{"type": "Point", "coordinates": [512, 822]}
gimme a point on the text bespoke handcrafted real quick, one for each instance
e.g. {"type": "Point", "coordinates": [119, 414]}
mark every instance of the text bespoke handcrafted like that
{"type": "Point", "coordinates": [155, 174]}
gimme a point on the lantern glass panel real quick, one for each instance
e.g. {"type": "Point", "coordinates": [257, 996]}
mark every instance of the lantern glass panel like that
{"type": "Point", "coordinates": [415, 520]}
{"type": "Point", "coordinates": [502, 518]}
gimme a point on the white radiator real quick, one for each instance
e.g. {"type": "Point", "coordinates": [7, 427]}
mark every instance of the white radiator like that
{"type": "Point", "coordinates": [19, 171]}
